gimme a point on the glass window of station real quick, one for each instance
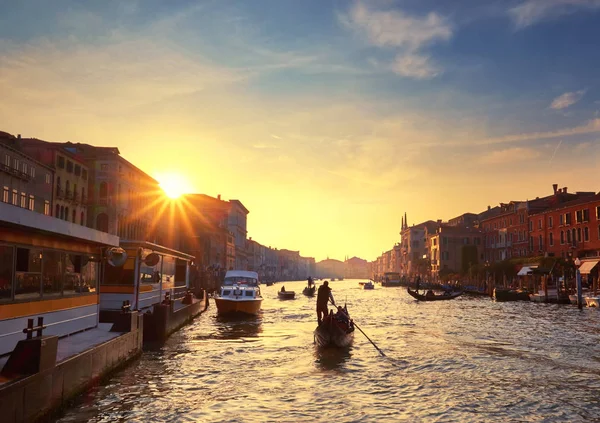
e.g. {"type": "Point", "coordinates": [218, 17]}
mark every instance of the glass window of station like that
{"type": "Point", "coordinates": [30, 273]}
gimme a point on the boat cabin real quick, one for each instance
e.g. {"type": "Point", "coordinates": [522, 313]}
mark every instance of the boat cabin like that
{"type": "Point", "coordinates": [241, 284]}
{"type": "Point", "coordinates": [150, 274]}
{"type": "Point", "coordinates": [49, 268]}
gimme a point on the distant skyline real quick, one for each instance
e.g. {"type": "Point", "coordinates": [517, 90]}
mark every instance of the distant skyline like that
{"type": "Point", "coordinates": [328, 119]}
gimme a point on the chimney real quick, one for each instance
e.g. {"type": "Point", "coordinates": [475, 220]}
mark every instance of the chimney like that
{"type": "Point", "coordinates": [219, 197]}
{"type": "Point", "coordinates": [439, 221]}
{"type": "Point", "coordinates": [555, 188]}
{"type": "Point", "coordinates": [489, 207]}
{"type": "Point", "coordinates": [18, 136]}
{"type": "Point", "coordinates": [564, 190]}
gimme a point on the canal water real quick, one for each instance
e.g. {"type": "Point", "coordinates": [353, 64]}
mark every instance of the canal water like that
{"type": "Point", "coordinates": [465, 360]}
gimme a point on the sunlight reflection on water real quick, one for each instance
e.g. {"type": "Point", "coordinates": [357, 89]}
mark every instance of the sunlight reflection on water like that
{"type": "Point", "coordinates": [469, 359]}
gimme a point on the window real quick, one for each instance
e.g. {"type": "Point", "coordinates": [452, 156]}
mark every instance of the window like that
{"type": "Point", "coordinates": [540, 242]}
{"type": "Point", "coordinates": [47, 208]}
{"type": "Point", "coordinates": [74, 216]}
{"type": "Point", "coordinates": [248, 293]}
{"type": "Point", "coordinates": [6, 272]}
{"type": "Point", "coordinates": [573, 236]}
{"type": "Point", "coordinates": [16, 164]}
{"type": "Point", "coordinates": [66, 216]}
{"type": "Point", "coordinates": [61, 162]}
{"type": "Point", "coordinates": [57, 212]}
{"type": "Point", "coordinates": [510, 221]}
{"type": "Point", "coordinates": [48, 179]}
{"type": "Point", "coordinates": [562, 237]}
{"type": "Point", "coordinates": [84, 174]}
{"type": "Point", "coordinates": [104, 166]}
{"type": "Point", "coordinates": [31, 203]}
{"type": "Point", "coordinates": [5, 193]}
{"type": "Point", "coordinates": [551, 239]}
{"type": "Point", "coordinates": [83, 194]}
{"type": "Point", "coordinates": [586, 234]}
{"type": "Point", "coordinates": [69, 166]}
{"type": "Point", "coordinates": [567, 218]}
{"type": "Point", "coordinates": [521, 218]}
{"type": "Point", "coordinates": [82, 220]}
{"type": "Point", "coordinates": [77, 171]}
{"type": "Point", "coordinates": [561, 220]}
{"type": "Point", "coordinates": [25, 169]}
{"type": "Point", "coordinates": [445, 240]}
{"type": "Point", "coordinates": [28, 281]}
{"type": "Point", "coordinates": [586, 215]}
{"type": "Point", "coordinates": [23, 200]}
{"type": "Point", "coordinates": [53, 268]}
{"type": "Point", "coordinates": [597, 211]}
{"type": "Point", "coordinates": [568, 236]}
{"type": "Point", "coordinates": [550, 221]}
{"type": "Point", "coordinates": [32, 171]}
{"type": "Point", "coordinates": [7, 160]}
{"type": "Point", "coordinates": [578, 234]}
{"type": "Point", "coordinates": [540, 224]}
{"type": "Point", "coordinates": [579, 216]}
{"type": "Point", "coordinates": [530, 225]}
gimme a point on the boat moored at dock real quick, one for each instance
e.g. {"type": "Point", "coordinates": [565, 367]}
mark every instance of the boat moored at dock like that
{"type": "Point", "coordinates": [240, 293]}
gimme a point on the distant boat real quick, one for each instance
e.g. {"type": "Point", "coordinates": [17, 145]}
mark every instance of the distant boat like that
{"type": "Point", "coordinates": [286, 295]}
{"type": "Point", "coordinates": [336, 330]}
{"type": "Point", "coordinates": [391, 279]}
{"type": "Point", "coordinates": [505, 294]}
{"type": "Point", "coordinates": [433, 297]}
{"type": "Point", "coordinates": [309, 292]}
{"type": "Point", "coordinates": [368, 285]}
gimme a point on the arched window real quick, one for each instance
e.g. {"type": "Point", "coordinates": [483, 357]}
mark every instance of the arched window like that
{"type": "Point", "coordinates": [66, 216]}
{"type": "Point", "coordinates": [67, 187]}
{"type": "Point", "coordinates": [102, 222]}
{"type": "Point", "coordinates": [74, 216]}
{"type": "Point", "coordinates": [58, 186]}
{"type": "Point", "coordinates": [57, 212]}
{"type": "Point", "coordinates": [62, 212]}
{"type": "Point", "coordinates": [81, 222]}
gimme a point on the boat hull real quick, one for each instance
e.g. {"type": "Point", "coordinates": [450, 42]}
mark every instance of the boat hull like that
{"type": "Point", "coordinates": [420, 297]}
{"type": "Point", "coordinates": [511, 295]}
{"type": "Point", "coordinates": [231, 306]}
{"type": "Point", "coordinates": [330, 335]}
{"type": "Point", "coordinates": [286, 295]}
{"type": "Point", "coordinates": [309, 292]}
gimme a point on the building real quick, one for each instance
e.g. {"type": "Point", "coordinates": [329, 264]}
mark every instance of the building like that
{"type": "Point", "coordinates": [205, 233]}
{"type": "Point", "coordinates": [26, 182]}
{"type": "Point", "coordinates": [466, 220]}
{"type": "Point", "coordinates": [356, 268]}
{"type": "Point", "coordinates": [413, 243]}
{"type": "Point", "coordinates": [330, 268]}
{"type": "Point", "coordinates": [454, 249]}
{"type": "Point", "coordinates": [237, 224]}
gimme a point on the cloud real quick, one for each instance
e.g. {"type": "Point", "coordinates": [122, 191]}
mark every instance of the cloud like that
{"type": "Point", "coordinates": [415, 66]}
{"type": "Point", "coordinates": [509, 155]}
{"type": "Point", "coordinates": [406, 35]}
{"type": "Point", "coordinates": [589, 127]}
{"type": "Point", "coordinates": [567, 99]}
{"type": "Point", "coordinates": [533, 11]}
{"type": "Point", "coordinates": [397, 29]}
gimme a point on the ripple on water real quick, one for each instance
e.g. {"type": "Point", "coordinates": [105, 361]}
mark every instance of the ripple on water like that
{"type": "Point", "coordinates": [466, 360]}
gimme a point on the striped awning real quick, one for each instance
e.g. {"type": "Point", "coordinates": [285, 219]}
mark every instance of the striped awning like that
{"type": "Point", "coordinates": [587, 266]}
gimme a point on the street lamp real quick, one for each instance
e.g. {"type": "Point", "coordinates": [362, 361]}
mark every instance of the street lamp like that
{"type": "Point", "coordinates": [578, 279]}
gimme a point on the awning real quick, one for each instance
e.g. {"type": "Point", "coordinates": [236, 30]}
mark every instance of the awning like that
{"type": "Point", "coordinates": [587, 266]}
{"type": "Point", "coordinates": [525, 270]}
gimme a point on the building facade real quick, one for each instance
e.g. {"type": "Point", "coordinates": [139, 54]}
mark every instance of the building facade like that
{"type": "Point", "coordinates": [26, 182]}
{"type": "Point", "coordinates": [237, 223]}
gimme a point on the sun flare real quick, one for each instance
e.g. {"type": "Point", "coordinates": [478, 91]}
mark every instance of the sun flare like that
{"type": "Point", "coordinates": [174, 185]}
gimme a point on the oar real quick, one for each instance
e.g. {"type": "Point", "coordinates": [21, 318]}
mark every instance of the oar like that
{"type": "Point", "coordinates": [361, 331]}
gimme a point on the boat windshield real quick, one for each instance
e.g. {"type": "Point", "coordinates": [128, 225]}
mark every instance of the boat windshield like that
{"type": "Point", "coordinates": [241, 280]}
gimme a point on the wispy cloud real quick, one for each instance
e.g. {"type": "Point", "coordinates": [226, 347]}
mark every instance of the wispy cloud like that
{"type": "Point", "coordinates": [532, 11]}
{"type": "Point", "coordinates": [407, 35]}
{"type": "Point", "coordinates": [567, 99]}
{"type": "Point", "coordinates": [510, 155]}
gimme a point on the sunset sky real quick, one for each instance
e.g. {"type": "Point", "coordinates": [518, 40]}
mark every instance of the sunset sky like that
{"type": "Point", "coordinates": [328, 119]}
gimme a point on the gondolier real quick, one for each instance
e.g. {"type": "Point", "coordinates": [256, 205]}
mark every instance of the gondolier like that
{"type": "Point", "coordinates": [323, 296]}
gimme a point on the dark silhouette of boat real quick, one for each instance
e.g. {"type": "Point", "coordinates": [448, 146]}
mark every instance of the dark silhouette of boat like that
{"type": "Point", "coordinates": [309, 291]}
{"type": "Point", "coordinates": [336, 330]}
{"type": "Point", "coordinates": [430, 296]}
{"type": "Point", "coordinates": [506, 294]}
{"type": "Point", "coordinates": [286, 295]}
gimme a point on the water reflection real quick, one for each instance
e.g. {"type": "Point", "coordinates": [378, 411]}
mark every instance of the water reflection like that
{"type": "Point", "coordinates": [331, 358]}
{"type": "Point", "coordinates": [237, 327]}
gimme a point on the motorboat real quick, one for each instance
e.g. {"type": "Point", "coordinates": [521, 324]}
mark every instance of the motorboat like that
{"type": "Point", "coordinates": [368, 285]}
{"type": "Point", "coordinates": [240, 293]}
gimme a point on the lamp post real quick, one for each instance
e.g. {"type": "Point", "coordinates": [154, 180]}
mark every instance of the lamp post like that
{"type": "Point", "coordinates": [578, 279]}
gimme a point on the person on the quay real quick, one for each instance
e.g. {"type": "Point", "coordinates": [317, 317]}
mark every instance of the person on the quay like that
{"type": "Point", "coordinates": [323, 296]}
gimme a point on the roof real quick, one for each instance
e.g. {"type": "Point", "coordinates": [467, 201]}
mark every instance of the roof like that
{"type": "Point", "coordinates": [239, 203]}
{"type": "Point", "coordinates": [29, 220]}
{"type": "Point", "coordinates": [156, 248]}
{"type": "Point", "coordinates": [587, 266]}
{"type": "Point", "coordinates": [584, 198]}
{"type": "Point", "coordinates": [241, 273]}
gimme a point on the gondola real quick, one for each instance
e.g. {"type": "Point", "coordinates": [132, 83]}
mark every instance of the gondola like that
{"type": "Point", "coordinates": [309, 291]}
{"type": "Point", "coordinates": [336, 330]}
{"type": "Point", "coordinates": [435, 297]}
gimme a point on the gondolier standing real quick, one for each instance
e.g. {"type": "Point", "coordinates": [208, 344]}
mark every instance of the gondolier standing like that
{"type": "Point", "coordinates": [323, 296]}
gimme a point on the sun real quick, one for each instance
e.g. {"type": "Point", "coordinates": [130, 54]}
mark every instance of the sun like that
{"type": "Point", "coordinates": [174, 184]}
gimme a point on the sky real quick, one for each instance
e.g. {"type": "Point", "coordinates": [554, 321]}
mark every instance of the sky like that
{"type": "Point", "coordinates": [328, 119]}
